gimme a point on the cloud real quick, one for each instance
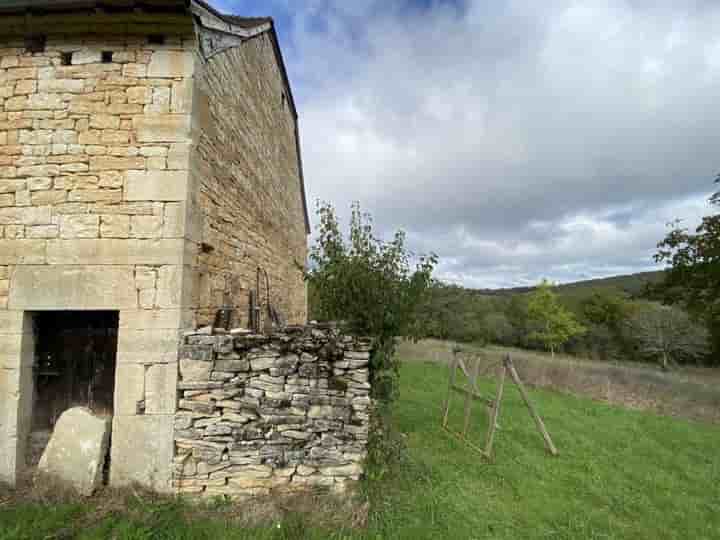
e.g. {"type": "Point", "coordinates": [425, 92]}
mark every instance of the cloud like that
{"type": "Point", "coordinates": [517, 139]}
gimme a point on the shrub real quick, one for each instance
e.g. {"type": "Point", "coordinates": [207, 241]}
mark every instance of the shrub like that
{"type": "Point", "coordinates": [375, 288]}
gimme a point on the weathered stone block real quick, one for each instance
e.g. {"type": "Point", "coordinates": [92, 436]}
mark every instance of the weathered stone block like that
{"type": "Point", "coordinates": [195, 370]}
{"type": "Point", "coordinates": [38, 170]}
{"type": "Point", "coordinates": [179, 156]}
{"type": "Point", "coordinates": [328, 412]}
{"type": "Point", "coordinates": [197, 406]}
{"type": "Point", "coordinates": [156, 319]}
{"type": "Point", "coordinates": [114, 251]}
{"type": "Point", "coordinates": [111, 163]}
{"type": "Point", "coordinates": [11, 186]}
{"type": "Point", "coordinates": [261, 363]}
{"type": "Point", "coordinates": [76, 451]}
{"type": "Point", "coordinates": [79, 226]}
{"type": "Point", "coordinates": [139, 94]}
{"type": "Point", "coordinates": [171, 64]}
{"type": "Point", "coordinates": [145, 226]}
{"type": "Point", "coordinates": [160, 388]}
{"type": "Point", "coordinates": [45, 102]}
{"type": "Point", "coordinates": [343, 471]}
{"type": "Point", "coordinates": [22, 251]}
{"type": "Point", "coordinates": [72, 86]}
{"type": "Point", "coordinates": [129, 393]}
{"type": "Point", "coordinates": [232, 365]}
{"type": "Point", "coordinates": [115, 226]}
{"type": "Point", "coordinates": [42, 231]}
{"type": "Point", "coordinates": [174, 220]}
{"type": "Point", "coordinates": [156, 186]}
{"type": "Point", "coordinates": [162, 128]}
{"type": "Point", "coordinates": [86, 57]}
{"type": "Point", "coordinates": [151, 342]}
{"type": "Point", "coordinates": [25, 87]}
{"type": "Point", "coordinates": [104, 121]}
{"type": "Point", "coordinates": [71, 287]}
{"type": "Point", "coordinates": [142, 451]}
{"type": "Point", "coordinates": [182, 92]}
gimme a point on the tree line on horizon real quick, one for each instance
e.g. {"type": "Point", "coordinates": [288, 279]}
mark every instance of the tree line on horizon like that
{"type": "Point", "coordinates": [600, 323]}
{"type": "Point", "coordinates": [670, 317]}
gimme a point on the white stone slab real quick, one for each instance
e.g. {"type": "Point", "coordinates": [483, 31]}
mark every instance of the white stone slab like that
{"type": "Point", "coordinates": [76, 452]}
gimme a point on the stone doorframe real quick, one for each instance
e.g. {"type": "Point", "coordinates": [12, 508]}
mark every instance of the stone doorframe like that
{"type": "Point", "coordinates": [146, 370]}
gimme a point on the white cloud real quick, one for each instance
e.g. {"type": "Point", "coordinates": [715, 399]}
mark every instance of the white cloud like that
{"type": "Point", "coordinates": [517, 139]}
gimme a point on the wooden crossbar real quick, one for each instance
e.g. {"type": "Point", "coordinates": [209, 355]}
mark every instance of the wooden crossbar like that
{"type": "Point", "coordinates": [459, 389]}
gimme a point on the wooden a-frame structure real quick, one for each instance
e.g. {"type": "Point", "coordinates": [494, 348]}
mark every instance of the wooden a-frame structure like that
{"type": "Point", "coordinates": [506, 367]}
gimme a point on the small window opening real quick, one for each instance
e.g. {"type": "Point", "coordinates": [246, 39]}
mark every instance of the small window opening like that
{"type": "Point", "coordinates": [35, 44]}
{"type": "Point", "coordinates": [75, 358]}
{"type": "Point", "coordinates": [66, 58]}
{"type": "Point", "coordinates": [156, 39]}
{"type": "Point", "coordinates": [107, 57]}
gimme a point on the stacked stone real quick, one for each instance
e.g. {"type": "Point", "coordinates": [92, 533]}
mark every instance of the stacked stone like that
{"type": "Point", "coordinates": [261, 413]}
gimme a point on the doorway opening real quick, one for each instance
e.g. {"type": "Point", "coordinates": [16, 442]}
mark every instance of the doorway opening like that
{"type": "Point", "coordinates": [75, 358]}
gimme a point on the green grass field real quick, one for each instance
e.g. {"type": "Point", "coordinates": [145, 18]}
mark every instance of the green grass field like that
{"type": "Point", "coordinates": [621, 474]}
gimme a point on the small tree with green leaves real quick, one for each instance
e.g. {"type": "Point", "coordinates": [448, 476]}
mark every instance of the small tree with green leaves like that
{"type": "Point", "coordinates": [556, 325]}
{"type": "Point", "coordinates": [375, 288]}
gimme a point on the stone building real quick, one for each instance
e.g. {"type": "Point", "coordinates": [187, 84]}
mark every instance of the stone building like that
{"type": "Point", "coordinates": [150, 179]}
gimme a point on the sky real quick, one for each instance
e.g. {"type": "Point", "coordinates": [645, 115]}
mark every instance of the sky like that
{"type": "Point", "coordinates": [517, 140]}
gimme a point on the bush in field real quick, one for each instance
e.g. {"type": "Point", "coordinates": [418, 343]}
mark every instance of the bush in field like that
{"type": "Point", "coordinates": [555, 324]}
{"type": "Point", "coordinates": [372, 286]}
{"type": "Point", "coordinates": [453, 313]}
{"type": "Point", "coordinates": [604, 313]}
{"type": "Point", "coordinates": [667, 334]}
{"type": "Point", "coordinates": [498, 328]}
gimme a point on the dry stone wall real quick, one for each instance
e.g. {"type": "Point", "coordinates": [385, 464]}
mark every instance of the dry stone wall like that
{"type": "Point", "coordinates": [284, 412]}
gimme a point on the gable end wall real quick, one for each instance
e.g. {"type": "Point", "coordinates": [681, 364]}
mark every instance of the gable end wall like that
{"type": "Point", "coordinates": [245, 169]}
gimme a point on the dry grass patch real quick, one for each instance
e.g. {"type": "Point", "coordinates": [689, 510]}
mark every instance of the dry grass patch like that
{"type": "Point", "coordinates": [692, 393]}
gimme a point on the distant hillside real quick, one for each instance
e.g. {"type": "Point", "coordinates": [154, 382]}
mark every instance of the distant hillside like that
{"type": "Point", "coordinates": [631, 284]}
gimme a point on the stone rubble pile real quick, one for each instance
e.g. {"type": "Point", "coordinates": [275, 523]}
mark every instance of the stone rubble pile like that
{"type": "Point", "coordinates": [281, 412]}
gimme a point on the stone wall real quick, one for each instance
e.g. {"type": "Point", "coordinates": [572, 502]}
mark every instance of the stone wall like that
{"type": "Point", "coordinates": [250, 190]}
{"type": "Point", "coordinates": [137, 177]}
{"type": "Point", "coordinates": [282, 412]}
{"type": "Point", "coordinates": [94, 159]}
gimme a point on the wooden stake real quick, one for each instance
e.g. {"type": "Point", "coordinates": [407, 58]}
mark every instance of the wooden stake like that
{"type": "Point", "coordinates": [453, 369]}
{"type": "Point", "coordinates": [469, 398]}
{"type": "Point", "coordinates": [494, 414]}
{"type": "Point", "coordinates": [533, 412]}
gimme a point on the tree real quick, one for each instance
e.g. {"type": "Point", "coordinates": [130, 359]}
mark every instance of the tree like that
{"type": "Point", "coordinates": [498, 328]}
{"type": "Point", "coordinates": [604, 313]}
{"type": "Point", "coordinates": [556, 324]}
{"type": "Point", "coordinates": [605, 307]}
{"type": "Point", "coordinates": [693, 276]}
{"type": "Point", "coordinates": [667, 334]}
{"type": "Point", "coordinates": [372, 286]}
